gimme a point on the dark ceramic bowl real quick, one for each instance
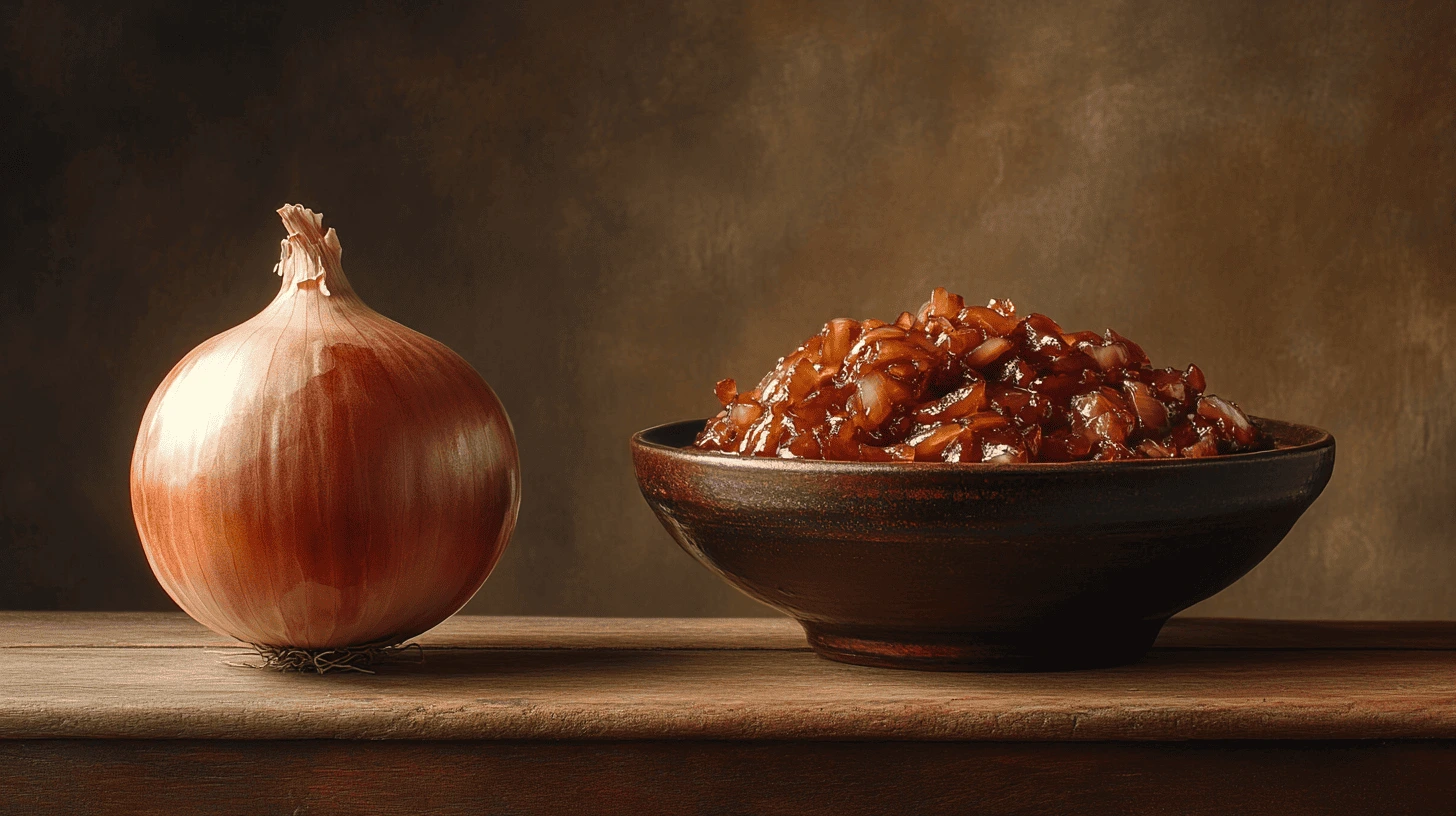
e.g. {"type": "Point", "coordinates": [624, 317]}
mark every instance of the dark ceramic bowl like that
{"type": "Point", "coordinates": [975, 566]}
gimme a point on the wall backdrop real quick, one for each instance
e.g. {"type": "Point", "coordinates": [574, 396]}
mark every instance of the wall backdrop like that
{"type": "Point", "coordinates": [606, 207]}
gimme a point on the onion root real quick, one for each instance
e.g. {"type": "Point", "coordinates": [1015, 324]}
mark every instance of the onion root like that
{"type": "Point", "coordinates": [360, 659]}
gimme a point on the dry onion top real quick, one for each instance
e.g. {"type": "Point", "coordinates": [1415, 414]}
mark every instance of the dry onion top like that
{"type": "Point", "coordinates": [952, 383]}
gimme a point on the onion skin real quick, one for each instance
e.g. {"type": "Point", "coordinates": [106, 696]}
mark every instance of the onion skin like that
{"type": "Point", "coordinates": [321, 476]}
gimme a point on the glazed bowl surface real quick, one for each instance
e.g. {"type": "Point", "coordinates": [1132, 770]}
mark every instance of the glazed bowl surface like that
{"type": "Point", "coordinates": [982, 567]}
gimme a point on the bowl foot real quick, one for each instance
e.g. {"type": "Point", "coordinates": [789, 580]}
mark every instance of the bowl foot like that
{"type": "Point", "coordinates": [1047, 650]}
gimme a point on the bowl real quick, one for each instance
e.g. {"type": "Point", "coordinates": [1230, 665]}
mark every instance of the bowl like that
{"type": "Point", "coordinates": [981, 567]}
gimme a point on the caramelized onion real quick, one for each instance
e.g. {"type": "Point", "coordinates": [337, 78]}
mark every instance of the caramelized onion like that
{"type": "Point", "coordinates": [988, 352]}
{"type": "Point", "coordinates": [953, 383]}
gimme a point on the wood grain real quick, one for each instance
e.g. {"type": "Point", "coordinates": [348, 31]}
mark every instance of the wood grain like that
{"type": "Point", "coordinates": [1285, 635]}
{"type": "Point", "coordinates": [643, 680]}
{"type": "Point", "coordinates": [163, 629]}
{"type": "Point", "coordinates": [173, 629]}
{"type": "Point", "coordinates": [150, 714]}
{"type": "Point", "coordinates": [524, 778]}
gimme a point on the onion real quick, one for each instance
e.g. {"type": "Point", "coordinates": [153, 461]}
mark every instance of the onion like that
{"type": "Point", "coordinates": [988, 352]}
{"type": "Point", "coordinates": [1155, 450]}
{"type": "Point", "coordinates": [957, 403]}
{"type": "Point", "coordinates": [1193, 375]}
{"type": "Point", "coordinates": [1103, 416]}
{"type": "Point", "coordinates": [1152, 414]}
{"type": "Point", "coordinates": [839, 335]}
{"type": "Point", "coordinates": [1225, 413]}
{"type": "Point", "coordinates": [993, 322]}
{"type": "Point", "coordinates": [803, 379]}
{"type": "Point", "coordinates": [858, 388]}
{"type": "Point", "coordinates": [321, 477]}
{"type": "Point", "coordinates": [944, 304]}
{"type": "Point", "coordinates": [1040, 337]}
{"type": "Point", "coordinates": [874, 399]}
{"type": "Point", "coordinates": [935, 441]}
{"type": "Point", "coordinates": [882, 333]}
{"type": "Point", "coordinates": [727, 391]}
{"type": "Point", "coordinates": [1108, 357]}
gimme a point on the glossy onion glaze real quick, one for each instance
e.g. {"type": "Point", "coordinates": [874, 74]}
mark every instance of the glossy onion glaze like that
{"type": "Point", "coordinates": [962, 384]}
{"type": "Point", "coordinates": [321, 476]}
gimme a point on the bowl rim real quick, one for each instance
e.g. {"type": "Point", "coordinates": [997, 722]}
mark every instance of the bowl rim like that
{"type": "Point", "coordinates": [1322, 439]}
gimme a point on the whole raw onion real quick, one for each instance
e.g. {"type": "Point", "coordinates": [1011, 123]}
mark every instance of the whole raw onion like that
{"type": "Point", "coordinates": [321, 476]}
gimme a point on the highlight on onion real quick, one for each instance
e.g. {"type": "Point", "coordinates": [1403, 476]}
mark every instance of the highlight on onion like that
{"type": "Point", "coordinates": [321, 481]}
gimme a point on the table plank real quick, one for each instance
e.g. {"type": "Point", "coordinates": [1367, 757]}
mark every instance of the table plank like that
{"type": "Point", "coordinates": [769, 778]}
{"type": "Point", "coordinates": [151, 713]}
{"type": "Point", "coordinates": [615, 694]}
{"type": "Point", "coordinates": [1285, 635]}
{"type": "Point", "coordinates": [174, 629]}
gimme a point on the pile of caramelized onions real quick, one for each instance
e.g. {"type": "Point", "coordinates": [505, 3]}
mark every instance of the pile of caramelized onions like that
{"type": "Point", "coordinates": [954, 383]}
{"type": "Point", "coordinates": [321, 476]}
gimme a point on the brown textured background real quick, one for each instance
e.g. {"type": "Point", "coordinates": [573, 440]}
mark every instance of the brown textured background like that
{"type": "Point", "coordinates": [607, 206]}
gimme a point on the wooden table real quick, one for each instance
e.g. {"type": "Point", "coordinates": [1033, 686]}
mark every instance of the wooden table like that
{"type": "Point", "coordinates": [149, 713]}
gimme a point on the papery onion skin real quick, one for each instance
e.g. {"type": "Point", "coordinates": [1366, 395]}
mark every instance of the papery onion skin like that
{"type": "Point", "coordinates": [321, 476]}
